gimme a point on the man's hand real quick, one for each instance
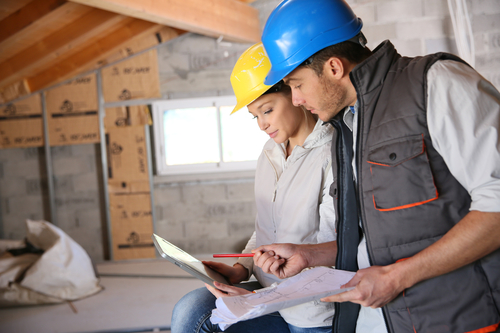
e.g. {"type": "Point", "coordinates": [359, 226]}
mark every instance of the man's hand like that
{"type": "Point", "coordinates": [235, 274]}
{"type": "Point", "coordinates": [374, 287]}
{"type": "Point", "coordinates": [282, 260]}
{"type": "Point", "coordinates": [285, 260]}
{"type": "Point", "coordinates": [223, 290]}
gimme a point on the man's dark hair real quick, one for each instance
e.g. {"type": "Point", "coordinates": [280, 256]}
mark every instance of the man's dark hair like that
{"type": "Point", "coordinates": [352, 52]}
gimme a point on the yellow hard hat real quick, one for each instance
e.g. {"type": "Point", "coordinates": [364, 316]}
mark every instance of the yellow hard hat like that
{"type": "Point", "coordinates": [248, 76]}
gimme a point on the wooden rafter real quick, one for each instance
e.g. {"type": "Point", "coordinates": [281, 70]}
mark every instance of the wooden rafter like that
{"type": "Point", "coordinates": [48, 50]}
{"type": "Point", "coordinates": [25, 16]}
{"type": "Point", "coordinates": [54, 21]}
{"type": "Point", "coordinates": [95, 52]}
{"type": "Point", "coordinates": [234, 20]}
{"type": "Point", "coordinates": [7, 7]}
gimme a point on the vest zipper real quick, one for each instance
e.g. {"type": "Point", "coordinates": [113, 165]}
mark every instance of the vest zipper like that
{"type": "Point", "coordinates": [361, 209]}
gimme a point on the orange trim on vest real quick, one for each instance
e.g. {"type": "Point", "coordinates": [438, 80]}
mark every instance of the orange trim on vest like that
{"type": "Point", "coordinates": [378, 163]}
{"type": "Point", "coordinates": [491, 328]}
{"type": "Point", "coordinates": [404, 206]}
{"type": "Point", "coordinates": [407, 309]}
{"type": "Point", "coordinates": [414, 330]}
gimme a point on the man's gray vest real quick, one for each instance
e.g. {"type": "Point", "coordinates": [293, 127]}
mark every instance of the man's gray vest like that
{"type": "Point", "coordinates": [408, 199]}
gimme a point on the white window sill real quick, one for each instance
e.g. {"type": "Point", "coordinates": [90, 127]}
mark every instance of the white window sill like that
{"type": "Point", "coordinates": [205, 177]}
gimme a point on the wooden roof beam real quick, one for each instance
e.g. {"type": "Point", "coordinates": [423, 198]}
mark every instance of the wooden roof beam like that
{"type": "Point", "coordinates": [93, 54]}
{"type": "Point", "coordinates": [8, 7]}
{"type": "Point", "coordinates": [234, 20]}
{"type": "Point", "coordinates": [41, 28]}
{"type": "Point", "coordinates": [49, 49]}
{"type": "Point", "coordinates": [25, 16]}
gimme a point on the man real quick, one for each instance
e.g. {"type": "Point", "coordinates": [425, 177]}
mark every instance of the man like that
{"type": "Point", "coordinates": [425, 172]}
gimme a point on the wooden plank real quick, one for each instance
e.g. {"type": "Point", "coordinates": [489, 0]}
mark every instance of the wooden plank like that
{"type": "Point", "coordinates": [118, 44]}
{"type": "Point", "coordinates": [49, 49]}
{"type": "Point", "coordinates": [8, 7]}
{"type": "Point", "coordinates": [139, 43]}
{"type": "Point", "coordinates": [234, 20]}
{"type": "Point", "coordinates": [42, 28]}
{"type": "Point", "coordinates": [25, 16]}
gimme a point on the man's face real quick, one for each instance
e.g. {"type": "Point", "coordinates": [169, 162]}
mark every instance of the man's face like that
{"type": "Point", "coordinates": [323, 95]}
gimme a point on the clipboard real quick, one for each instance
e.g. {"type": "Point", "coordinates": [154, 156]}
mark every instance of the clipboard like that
{"type": "Point", "coordinates": [187, 262]}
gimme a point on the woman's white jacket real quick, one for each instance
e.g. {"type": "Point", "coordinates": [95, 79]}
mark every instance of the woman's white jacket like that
{"type": "Point", "coordinates": [294, 206]}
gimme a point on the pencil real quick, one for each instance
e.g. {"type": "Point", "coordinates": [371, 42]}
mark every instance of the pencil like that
{"type": "Point", "coordinates": [233, 255]}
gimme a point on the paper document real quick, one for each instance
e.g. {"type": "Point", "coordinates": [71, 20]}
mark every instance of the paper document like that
{"type": "Point", "coordinates": [309, 285]}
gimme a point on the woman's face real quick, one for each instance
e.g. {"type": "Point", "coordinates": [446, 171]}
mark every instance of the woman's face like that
{"type": "Point", "coordinates": [277, 116]}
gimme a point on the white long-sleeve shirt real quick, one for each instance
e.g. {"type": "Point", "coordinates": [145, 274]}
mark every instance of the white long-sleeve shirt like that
{"type": "Point", "coordinates": [463, 117]}
{"type": "Point", "coordinates": [294, 206]}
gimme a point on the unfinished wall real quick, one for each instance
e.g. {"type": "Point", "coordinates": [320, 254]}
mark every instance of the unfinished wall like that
{"type": "Point", "coordinates": [79, 196]}
{"type": "Point", "coordinates": [22, 188]}
{"type": "Point", "coordinates": [78, 193]}
{"type": "Point", "coordinates": [197, 66]}
{"type": "Point", "coordinates": [206, 217]}
{"type": "Point", "coordinates": [419, 27]}
{"type": "Point", "coordinates": [215, 214]}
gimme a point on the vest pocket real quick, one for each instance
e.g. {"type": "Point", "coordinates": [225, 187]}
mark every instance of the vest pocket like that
{"type": "Point", "coordinates": [401, 174]}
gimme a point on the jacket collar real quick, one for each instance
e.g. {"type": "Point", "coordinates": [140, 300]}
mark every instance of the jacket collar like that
{"type": "Point", "coordinates": [320, 135]}
{"type": "Point", "coordinates": [371, 73]}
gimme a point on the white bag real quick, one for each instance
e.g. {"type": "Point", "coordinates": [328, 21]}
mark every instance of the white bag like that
{"type": "Point", "coordinates": [63, 272]}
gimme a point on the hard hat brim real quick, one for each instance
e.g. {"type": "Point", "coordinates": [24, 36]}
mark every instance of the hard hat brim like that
{"type": "Point", "coordinates": [274, 77]}
{"type": "Point", "coordinates": [251, 96]}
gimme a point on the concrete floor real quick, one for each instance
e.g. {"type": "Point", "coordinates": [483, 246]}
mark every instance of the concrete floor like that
{"type": "Point", "coordinates": [138, 296]}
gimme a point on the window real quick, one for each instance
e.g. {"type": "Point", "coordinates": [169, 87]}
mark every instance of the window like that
{"type": "Point", "coordinates": [199, 135]}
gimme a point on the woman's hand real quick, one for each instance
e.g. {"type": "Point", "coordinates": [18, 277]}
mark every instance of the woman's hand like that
{"type": "Point", "coordinates": [234, 274]}
{"type": "Point", "coordinates": [224, 290]}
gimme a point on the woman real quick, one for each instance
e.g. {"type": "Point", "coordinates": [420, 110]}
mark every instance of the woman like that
{"type": "Point", "coordinates": [292, 181]}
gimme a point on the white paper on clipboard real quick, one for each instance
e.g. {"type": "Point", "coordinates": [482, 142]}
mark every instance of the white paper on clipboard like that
{"type": "Point", "coordinates": [309, 285]}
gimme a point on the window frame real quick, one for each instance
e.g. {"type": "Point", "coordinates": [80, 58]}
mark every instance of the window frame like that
{"type": "Point", "coordinates": [162, 169]}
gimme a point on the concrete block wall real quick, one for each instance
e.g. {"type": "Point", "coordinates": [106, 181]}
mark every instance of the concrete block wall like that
{"type": "Point", "coordinates": [486, 29]}
{"type": "Point", "coordinates": [78, 193]}
{"type": "Point", "coordinates": [197, 66]}
{"type": "Point", "coordinates": [419, 27]}
{"type": "Point", "coordinates": [23, 191]}
{"type": "Point", "coordinates": [79, 196]}
{"type": "Point", "coordinates": [206, 217]}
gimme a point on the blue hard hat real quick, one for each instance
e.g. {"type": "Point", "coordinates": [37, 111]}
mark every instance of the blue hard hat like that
{"type": "Point", "coordinates": [297, 29]}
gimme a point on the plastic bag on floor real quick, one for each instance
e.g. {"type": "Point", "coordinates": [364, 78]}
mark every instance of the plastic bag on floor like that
{"type": "Point", "coordinates": [50, 268]}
